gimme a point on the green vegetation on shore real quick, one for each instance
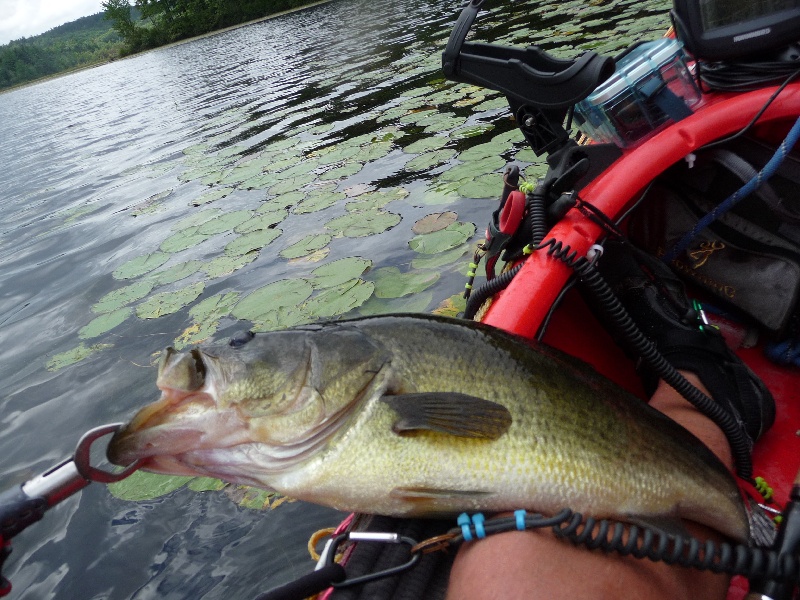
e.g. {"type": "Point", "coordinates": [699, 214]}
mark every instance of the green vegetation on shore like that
{"type": "Point", "coordinates": [125, 28]}
{"type": "Point", "coordinates": [86, 41]}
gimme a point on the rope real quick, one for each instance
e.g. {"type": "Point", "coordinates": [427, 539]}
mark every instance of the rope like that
{"type": "Point", "coordinates": [768, 171]}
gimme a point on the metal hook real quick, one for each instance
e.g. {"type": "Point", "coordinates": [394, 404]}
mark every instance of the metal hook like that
{"type": "Point", "coordinates": [355, 536]}
{"type": "Point", "coordinates": [82, 456]}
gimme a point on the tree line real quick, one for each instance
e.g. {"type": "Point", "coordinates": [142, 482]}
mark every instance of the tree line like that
{"type": "Point", "coordinates": [123, 28]}
{"type": "Point", "coordinates": [162, 22]}
{"type": "Point", "coordinates": [86, 41]}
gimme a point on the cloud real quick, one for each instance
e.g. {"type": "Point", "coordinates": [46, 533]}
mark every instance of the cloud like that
{"type": "Point", "coordinates": [25, 18]}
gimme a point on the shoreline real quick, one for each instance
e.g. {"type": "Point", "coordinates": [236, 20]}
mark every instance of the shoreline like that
{"type": "Point", "coordinates": [72, 71]}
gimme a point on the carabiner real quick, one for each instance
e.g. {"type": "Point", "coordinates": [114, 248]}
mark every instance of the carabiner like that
{"type": "Point", "coordinates": [329, 553]}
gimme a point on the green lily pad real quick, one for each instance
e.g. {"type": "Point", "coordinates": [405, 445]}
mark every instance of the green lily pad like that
{"type": "Point", "coordinates": [440, 259]}
{"type": "Point", "coordinates": [452, 236]}
{"type": "Point", "coordinates": [433, 142]}
{"type": "Point", "coordinates": [415, 303]}
{"type": "Point", "coordinates": [284, 201]}
{"type": "Point", "coordinates": [225, 265]}
{"type": "Point", "coordinates": [319, 200]}
{"type": "Point", "coordinates": [206, 484]}
{"type": "Point", "coordinates": [288, 185]}
{"type": "Point", "coordinates": [263, 220]}
{"type": "Point", "coordinates": [116, 299]}
{"type": "Point", "coordinates": [306, 246]}
{"type": "Point", "coordinates": [376, 199]}
{"type": "Point", "coordinates": [183, 240]}
{"type": "Point", "coordinates": [263, 304]}
{"type": "Point", "coordinates": [167, 303]}
{"type": "Point", "coordinates": [176, 272]}
{"type": "Point", "coordinates": [440, 193]}
{"type": "Point", "coordinates": [206, 316]}
{"type": "Point", "coordinates": [434, 222]}
{"type": "Point", "coordinates": [142, 486]}
{"type": "Point", "coordinates": [339, 271]}
{"type": "Point", "coordinates": [471, 131]}
{"type": "Point", "coordinates": [140, 265]}
{"type": "Point", "coordinates": [374, 151]}
{"type": "Point", "coordinates": [76, 355]}
{"type": "Point", "coordinates": [428, 160]}
{"type": "Point", "coordinates": [362, 224]}
{"type": "Point", "coordinates": [104, 323]}
{"type": "Point", "coordinates": [452, 306]}
{"type": "Point", "coordinates": [211, 196]}
{"type": "Point", "coordinates": [474, 169]}
{"type": "Point", "coordinates": [346, 170]}
{"type": "Point", "coordinates": [486, 186]}
{"type": "Point", "coordinates": [197, 218]}
{"type": "Point", "coordinates": [249, 242]}
{"type": "Point", "coordinates": [340, 299]}
{"type": "Point", "coordinates": [391, 283]}
{"type": "Point", "coordinates": [224, 222]}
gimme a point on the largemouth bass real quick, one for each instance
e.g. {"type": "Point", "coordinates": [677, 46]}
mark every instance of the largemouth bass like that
{"type": "Point", "coordinates": [421, 416]}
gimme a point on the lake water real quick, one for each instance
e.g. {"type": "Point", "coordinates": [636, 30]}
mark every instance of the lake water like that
{"type": "Point", "coordinates": [205, 188]}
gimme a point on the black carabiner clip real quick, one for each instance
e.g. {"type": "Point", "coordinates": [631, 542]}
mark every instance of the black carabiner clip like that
{"type": "Point", "coordinates": [329, 553]}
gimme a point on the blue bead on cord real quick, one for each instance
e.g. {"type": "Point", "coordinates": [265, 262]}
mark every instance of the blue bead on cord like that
{"type": "Point", "coordinates": [463, 522]}
{"type": "Point", "coordinates": [520, 516]}
{"type": "Point", "coordinates": [477, 521]}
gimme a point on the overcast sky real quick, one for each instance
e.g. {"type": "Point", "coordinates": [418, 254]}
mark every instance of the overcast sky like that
{"type": "Point", "coordinates": [20, 18]}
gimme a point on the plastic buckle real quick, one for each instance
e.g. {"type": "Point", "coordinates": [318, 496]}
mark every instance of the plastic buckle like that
{"type": "Point", "coordinates": [329, 553]}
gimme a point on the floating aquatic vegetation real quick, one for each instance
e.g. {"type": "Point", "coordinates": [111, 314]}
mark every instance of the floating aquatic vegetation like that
{"type": "Point", "coordinates": [428, 160]}
{"type": "Point", "coordinates": [211, 196]}
{"type": "Point", "coordinates": [225, 265]}
{"type": "Point", "coordinates": [206, 316]}
{"type": "Point", "coordinates": [363, 223]}
{"type": "Point", "coordinates": [339, 271]}
{"type": "Point", "coordinates": [175, 273]}
{"type": "Point", "coordinates": [390, 282]}
{"type": "Point", "coordinates": [116, 299]}
{"type": "Point", "coordinates": [375, 199]}
{"type": "Point", "coordinates": [184, 239]}
{"type": "Point", "coordinates": [418, 302]}
{"type": "Point", "coordinates": [319, 199]}
{"type": "Point", "coordinates": [275, 303]}
{"type": "Point", "coordinates": [252, 241]}
{"type": "Point", "coordinates": [306, 246]}
{"type": "Point", "coordinates": [263, 220]}
{"type": "Point", "coordinates": [445, 239]}
{"type": "Point", "coordinates": [140, 265]}
{"type": "Point", "coordinates": [453, 306]}
{"type": "Point", "coordinates": [224, 222]}
{"type": "Point", "coordinates": [432, 142]}
{"type": "Point", "coordinates": [434, 222]}
{"type": "Point", "coordinates": [103, 323]}
{"type": "Point", "coordinates": [339, 299]}
{"type": "Point", "coordinates": [167, 303]}
{"type": "Point", "coordinates": [76, 355]}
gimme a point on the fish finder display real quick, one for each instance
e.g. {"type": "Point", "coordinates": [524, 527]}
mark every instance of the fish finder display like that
{"type": "Point", "coordinates": [720, 13]}
{"type": "Point", "coordinates": [732, 29]}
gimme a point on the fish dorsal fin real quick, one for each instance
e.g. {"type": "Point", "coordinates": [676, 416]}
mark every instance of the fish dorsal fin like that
{"type": "Point", "coordinates": [449, 412]}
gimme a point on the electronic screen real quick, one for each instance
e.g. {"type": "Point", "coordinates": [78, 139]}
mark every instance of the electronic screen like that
{"type": "Point", "coordinates": [731, 29]}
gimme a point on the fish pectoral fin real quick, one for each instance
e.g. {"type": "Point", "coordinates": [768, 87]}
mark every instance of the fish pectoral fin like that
{"type": "Point", "coordinates": [452, 413]}
{"type": "Point", "coordinates": [665, 524]}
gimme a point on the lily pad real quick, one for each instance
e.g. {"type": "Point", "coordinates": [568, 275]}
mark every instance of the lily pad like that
{"type": "Point", "coordinates": [346, 170]}
{"type": "Point", "coordinates": [211, 196]}
{"type": "Point", "coordinates": [197, 218]}
{"type": "Point", "coordinates": [264, 303]}
{"type": "Point", "coordinates": [224, 265]}
{"type": "Point", "coordinates": [391, 283]}
{"type": "Point", "coordinates": [140, 265]}
{"type": "Point", "coordinates": [264, 220]}
{"type": "Point", "coordinates": [415, 303]}
{"type": "Point", "coordinates": [340, 299]}
{"type": "Point", "coordinates": [104, 323]}
{"type": "Point", "coordinates": [376, 199]}
{"type": "Point", "coordinates": [452, 236]}
{"type": "Point", "coordinates": [439, 260]}
{"type": "Point", "coordinates": [339, 271]}
{"type": "Point", "coordinates": [452, 306]}
{"type": "Point", "coordinates": [362, 224]}
{"type": "Point", "coordinates": [486, 186]}
{"type": "Point", "coordinates": [319, 200]}
{"type": "Point", "coordinates": [255, 240]}
{"type": "Point", "coordinates": [433, 142]}
{"type": "Point", "coordinates": [183, 240]}
{"type": "Point", "coordinates": [176, 272]}
{"type": "Point", "coordinates": [306, 246]}
{"type": "Point", "coordinates": [142, 485]}
{"type": "Point", "coordinates": [428, 160]}
{"type": "Point", "coordinates": [225, 222]}
{"type": "Point", "coordinates": [116, 299]}
{"type": "Point", "coordinates": [76, 355]}
{"type": "Point", "coordinates": [167, 303]}
{"type": "Point", "coordinates": [434, 222]}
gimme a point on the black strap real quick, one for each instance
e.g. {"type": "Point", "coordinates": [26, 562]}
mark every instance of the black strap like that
{"type": "Point", "coordinates": [308, 585]}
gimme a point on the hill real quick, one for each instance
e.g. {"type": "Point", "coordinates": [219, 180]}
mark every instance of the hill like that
{"type": "Point", "coordinates": [85, 41]}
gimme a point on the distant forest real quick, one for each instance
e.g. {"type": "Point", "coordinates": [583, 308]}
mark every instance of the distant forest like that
{"type": "Point", "coordinates": [123, 29]}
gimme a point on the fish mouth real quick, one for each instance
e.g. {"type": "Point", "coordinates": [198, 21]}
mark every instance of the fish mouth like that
{"type": "Point", "coordinates": [178, 424]}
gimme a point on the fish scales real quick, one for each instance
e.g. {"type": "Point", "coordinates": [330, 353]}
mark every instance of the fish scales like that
{"type": "Point", "coordinates": [574, 439]}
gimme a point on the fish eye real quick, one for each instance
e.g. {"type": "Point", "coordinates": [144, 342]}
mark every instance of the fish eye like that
{"type": "Point", "coordinates": [241, 338]}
